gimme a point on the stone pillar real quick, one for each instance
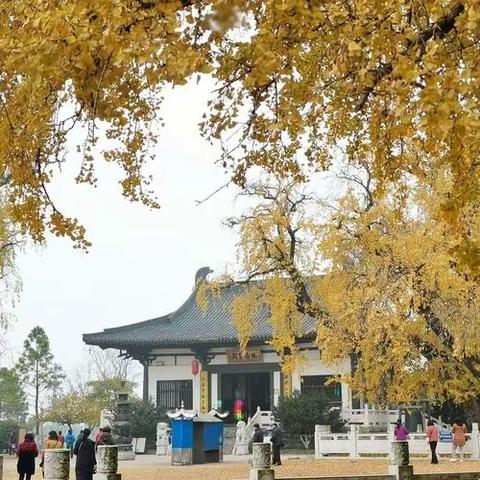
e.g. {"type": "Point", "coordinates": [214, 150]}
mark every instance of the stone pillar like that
{"type": "Point", "coordinates": [353, 437]}
{"type": "Point", "coordinates": [162, 438]}
{"type": "Point", "coordinates": [475, 438]}
{"type": "Point", "coordinates": [107, 462]}
{"type": "Point", "coordinates": [262, 462]}
{"type": "Point", "coordinates": [400, 466]}
{"type": "Point", "coordinates": [56, 464]}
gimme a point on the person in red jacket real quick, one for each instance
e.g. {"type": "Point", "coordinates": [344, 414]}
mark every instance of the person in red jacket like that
{"type": "Point", "coordinates": [27, 452]}
{"type": "Point", "coordinates": [433, 435]}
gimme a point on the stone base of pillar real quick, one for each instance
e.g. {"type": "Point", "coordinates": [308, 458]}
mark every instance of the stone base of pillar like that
{"type": "Point", "coordinates": [108, 476]}
{"type": "Point", "coordinates": [240, 450]}
{"type": "Point", "coordinates": [262, 474]}
{"type": "Point", "coordinates": [126, 456]}
{"type": "Point", "coordinates": [401, 472]}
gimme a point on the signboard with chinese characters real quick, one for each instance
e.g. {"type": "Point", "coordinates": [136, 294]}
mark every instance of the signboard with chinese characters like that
{"type": "Point", "coordinates": [204, 404]}
{"type": "Point", "coordinates": [250, 356]}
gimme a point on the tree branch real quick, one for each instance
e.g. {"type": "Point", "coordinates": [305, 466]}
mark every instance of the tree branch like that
{"type": "Point", "coordinates": [439, 29]}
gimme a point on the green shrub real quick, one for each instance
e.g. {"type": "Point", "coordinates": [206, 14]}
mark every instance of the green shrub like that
{"type": "Point", "coordinates": [299, 412]}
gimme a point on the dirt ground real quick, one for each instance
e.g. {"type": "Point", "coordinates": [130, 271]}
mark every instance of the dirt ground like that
{"type": "Point", "coordinates": [149, 467]}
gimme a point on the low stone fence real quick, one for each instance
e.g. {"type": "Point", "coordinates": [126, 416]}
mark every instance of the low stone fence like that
{"type": "Point", "coordinates": [355, 444]}
{"type": "Point", "coordinates": [419, 476]}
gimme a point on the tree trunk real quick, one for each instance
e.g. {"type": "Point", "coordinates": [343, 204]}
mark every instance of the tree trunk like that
{"type": "Point", "coordinates": [472, 411]}
{"type": "Point", "coordinates": [305, 439]}
{"type": "Point", "coordinates": [37, 393]}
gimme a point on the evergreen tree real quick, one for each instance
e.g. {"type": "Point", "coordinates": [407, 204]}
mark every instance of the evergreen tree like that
{"type": "Point", "coordinates": [13, 405]}
{"type": "Point", "coordinates": [37, 369]}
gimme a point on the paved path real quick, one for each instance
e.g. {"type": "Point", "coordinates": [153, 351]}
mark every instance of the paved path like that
{"type": "Point", "coordinates": [150, 467]}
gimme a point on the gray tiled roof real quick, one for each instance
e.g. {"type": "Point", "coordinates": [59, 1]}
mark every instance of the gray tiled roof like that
{"type": "Point", "coordinates": [191, 325]}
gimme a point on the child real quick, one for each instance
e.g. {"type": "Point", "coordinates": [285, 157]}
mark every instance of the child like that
{"type": "Point", "coordinates": [26, 453]}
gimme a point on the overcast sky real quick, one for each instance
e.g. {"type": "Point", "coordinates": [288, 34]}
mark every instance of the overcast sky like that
{"type": "Point", "coordinates": [142, 263]}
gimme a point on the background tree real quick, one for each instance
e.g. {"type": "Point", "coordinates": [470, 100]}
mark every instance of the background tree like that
{"type": "Point", "coordinates": [108, 374]}
{"type": "Point", "coordinates": [380, 275]}
{"type": "Point", "coordinates": [144, 419]}
{"type": "Point", "coordinates": [298, 414]}
{"type": "Point", "coordinates": [74, 407]}
{"type": "Point", "coordinates": [37, 370]}
{"type": "Point", "coordinates": [10, 284]}
{"type": "Point", "coordinates": [13, 405]}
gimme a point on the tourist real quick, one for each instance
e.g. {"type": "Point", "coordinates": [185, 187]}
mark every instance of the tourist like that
{"type": "Point", "coordinates": [50, 443]}
{"type": "Point", "coordinates": [27, 452]}
{"type": "Point", "coordinates": [70, 441]}
{"type": "Point", "coordinates": [257, 434]}
{"type": "Point", "coordinates": [12, 443]}
{"type": "Point", "coordinates": [61, 438]}
{"type": "Point", "coordinates": [401, 432]}
{"type": "Point", "coordinates": [98, 434]}
{"type": "Point", "coordinates": [433, 435]}
{"type": "Point", "coordinates": [459, 430]}
{"type": "Point", "coordinates": [86, 464]}
{"type": "Point", "coordinates": [277, 443]}
{"type": "Point", "coordinates": [106, 437]}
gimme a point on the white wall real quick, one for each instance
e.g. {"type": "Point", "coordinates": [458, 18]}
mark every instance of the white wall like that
{"type": "Point", "coordinates": [313, 366]}
{"type": "Point", "coordinates": [170, 371]}
{"type": "Point", "coordinates": [164, 368]}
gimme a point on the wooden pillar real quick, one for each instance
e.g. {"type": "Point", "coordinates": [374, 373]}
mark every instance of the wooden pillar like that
{"type": "Point", "coordinates": [146, 394]}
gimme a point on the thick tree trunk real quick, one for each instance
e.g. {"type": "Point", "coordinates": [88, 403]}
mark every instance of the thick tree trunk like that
{"type": "Point", "coordinates": [472, 411]}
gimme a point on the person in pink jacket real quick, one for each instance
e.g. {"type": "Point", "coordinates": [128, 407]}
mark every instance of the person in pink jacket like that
{"type": "Point", "coordinates": [459, 431]}
{"type": "Point", "coordinates": [433, 435]}
{"type": "Point", "coordinates": [401, 432]}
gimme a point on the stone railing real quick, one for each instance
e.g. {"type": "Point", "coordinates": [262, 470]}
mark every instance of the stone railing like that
{"type": "Point", "coordinates": [370, 416]}
{"type": "Point", "coordinates": [356, 444]}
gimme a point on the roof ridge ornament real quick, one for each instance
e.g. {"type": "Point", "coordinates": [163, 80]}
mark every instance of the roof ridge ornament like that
{"type": "Point", "coordinates": [201, 275]}
{"type": "Point", "coordinates": [182, 413]}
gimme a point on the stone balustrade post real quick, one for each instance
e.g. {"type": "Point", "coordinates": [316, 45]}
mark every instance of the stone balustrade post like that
{"type": "Point", "coordinates": [56, 464]}
{"type": "Point", "coordinates": [475, 439]}
{"type": "Point", "coordinates": [262, 462]}
{"type": "Point", "coordinates": [107, 462]}
{"type": "Point", "coordinates": [353, 437]}
{"type": "Point", "coordinates": [400, 466]}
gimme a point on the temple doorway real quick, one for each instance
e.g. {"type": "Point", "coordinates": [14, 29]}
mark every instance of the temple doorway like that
{"type": "Point", "coordinates": [242, 393]}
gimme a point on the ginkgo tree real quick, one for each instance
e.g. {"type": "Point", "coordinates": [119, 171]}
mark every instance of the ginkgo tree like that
{"type": "Point", "coordinates": [380, 276]}
{"type": "Point", "coordinates": [393, 82]}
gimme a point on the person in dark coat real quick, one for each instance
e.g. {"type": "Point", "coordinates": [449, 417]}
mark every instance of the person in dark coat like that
{"type": "Point", "coordinates": [277, 443]}
{"type": "Point", "coordinates": [27, 452]}
{"type": "Point", "coordinates": [105, 438]}
{"type": "Point", "coordinates": [86, 464]}
{"type": "Point", "coordinates": [257, 434]}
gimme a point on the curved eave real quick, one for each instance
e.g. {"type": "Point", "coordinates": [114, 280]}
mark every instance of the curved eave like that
{"type": "Point", "coordinates": [185, 343]}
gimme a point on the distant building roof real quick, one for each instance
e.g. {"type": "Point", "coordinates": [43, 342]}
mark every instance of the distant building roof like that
{"type": "Point", "coordinates": [192, 325]}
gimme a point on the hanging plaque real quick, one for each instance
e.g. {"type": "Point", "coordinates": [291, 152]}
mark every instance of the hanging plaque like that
{"type": "Point", "coordinates": [250, 356]}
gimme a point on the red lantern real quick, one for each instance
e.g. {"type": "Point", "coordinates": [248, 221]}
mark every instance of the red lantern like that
{"type": "Point", "coordinates": [195, 367]}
